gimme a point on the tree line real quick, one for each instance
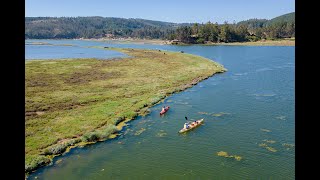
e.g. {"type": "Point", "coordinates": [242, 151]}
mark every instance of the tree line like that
{"type": "Point", "coordinates": [241, 32]}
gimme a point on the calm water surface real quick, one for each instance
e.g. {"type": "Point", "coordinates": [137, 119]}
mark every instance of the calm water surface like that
{"type": "Point", "coordinates": [53, 51]}
{"type": "Point", "coordinates": [249, 104]}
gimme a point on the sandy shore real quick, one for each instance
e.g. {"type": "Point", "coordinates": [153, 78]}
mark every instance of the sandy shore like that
{"type": "Point", "coordinates": [131, 41]}
{"type": "Point", "coordinates": [259, 43]}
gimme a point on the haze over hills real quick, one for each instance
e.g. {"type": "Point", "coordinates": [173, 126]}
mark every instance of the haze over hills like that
{"type": "Point", "coordinates": [98, 27]}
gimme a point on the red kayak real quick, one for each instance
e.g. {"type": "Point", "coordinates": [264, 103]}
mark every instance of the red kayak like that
{"type": "Point", "coordinates": [165, 110]}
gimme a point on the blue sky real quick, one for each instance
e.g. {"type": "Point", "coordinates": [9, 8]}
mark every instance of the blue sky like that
{"type": "Point", "coordinates": [163, 10]}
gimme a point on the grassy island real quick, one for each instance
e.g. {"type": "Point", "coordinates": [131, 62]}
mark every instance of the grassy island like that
{"type": "Point", "coordinates": [73, 102]}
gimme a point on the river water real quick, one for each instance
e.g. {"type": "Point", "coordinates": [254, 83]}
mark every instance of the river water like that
{"type": "Point", "coordinates": [248, 111]}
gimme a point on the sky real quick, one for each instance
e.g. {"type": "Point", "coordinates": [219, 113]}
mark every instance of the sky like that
{"type": "Point", "coordinates": [177, 11]}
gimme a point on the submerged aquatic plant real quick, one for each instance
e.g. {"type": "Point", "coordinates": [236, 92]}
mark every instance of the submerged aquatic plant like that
{"type": "Point", "coordinates": [263, 145]}
{"type": "Point", "coordinates": [219, 114]}
{"type": "Point", "coordinates": [288, 145]}
{"type": "Point", "coordinates": [265, 130]}
{"type": "Point", "coordinates": [268, 147]}
{"type": "Point", "coordinates": [238, 158]}
{"type": "Point", "coordinates": [137, 133]}
{"type": "Point", "coordinates": [203, 113]}
{"type": "Point", "coordinates": [143, 121]}
{"type": "Point", "coordinates": [162, 133]}
{"type": "Point", "coordinates": [225, 154]}
{"type": "Point", "coordinates": [183, 103]}
{"type": "Point", "coordinates": [281, 117]}
{"type": "Point", "coordinates": [269, 141]}
{"type": "Point", "coordinates": [58, 161]}
{"type": "Point", "coordinates": [271, 149]}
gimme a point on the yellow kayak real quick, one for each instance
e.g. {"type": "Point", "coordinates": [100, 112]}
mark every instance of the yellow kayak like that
{"type": "Point", "coordinates": [192, 126]}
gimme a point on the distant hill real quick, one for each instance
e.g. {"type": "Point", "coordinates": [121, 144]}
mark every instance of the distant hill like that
{"type": "Point", "coordinates": [286, 18]}
{"type": "Point", "coordinates": [88, 27]}
{"type": "Point", "coordinates": [253, 23]}
{"type": "Point", "coordinates": [256, 23]}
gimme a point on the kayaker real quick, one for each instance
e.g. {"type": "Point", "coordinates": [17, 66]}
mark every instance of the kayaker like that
{"type": "Point", "coordinates": [186, 126]}
{"type": "Point", "coordinates": [163, 108]}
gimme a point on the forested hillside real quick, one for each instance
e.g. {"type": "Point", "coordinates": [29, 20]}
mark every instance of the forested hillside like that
{"type": "Point", "coordinates": [94, 27]}
{"type": "Point", "coordinates": [98, 27]}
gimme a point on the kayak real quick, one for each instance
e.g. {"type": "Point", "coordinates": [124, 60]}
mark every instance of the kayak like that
{"type": "Point", "coordinates": [165, 110]}
{"type": "Point", "coordinates": [191, 126]}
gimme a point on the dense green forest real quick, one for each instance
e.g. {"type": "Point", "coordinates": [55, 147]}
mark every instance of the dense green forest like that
{"type": "Point", "coordinates": [98, 27]}
{"type": "Point", "coordinates": [95, 27]}
{"type": "Point", "coordinates": [249, 30]}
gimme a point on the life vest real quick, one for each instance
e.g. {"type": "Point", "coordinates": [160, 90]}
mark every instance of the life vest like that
{"type": "Point", "coordinates": [186, 125]}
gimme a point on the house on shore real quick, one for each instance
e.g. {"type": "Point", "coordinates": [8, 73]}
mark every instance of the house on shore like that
{"type": "Point", "coordinates": [109, 35]}
{"type": "Point", "coordinates": [175, 41]}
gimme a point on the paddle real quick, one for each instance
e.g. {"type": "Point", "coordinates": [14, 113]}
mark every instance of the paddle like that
{"type": "Point", "coordinates": [187, 119]}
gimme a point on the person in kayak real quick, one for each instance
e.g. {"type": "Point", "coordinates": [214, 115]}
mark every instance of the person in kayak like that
{"type": "Point", "coordinates": [163, 108]}
{"type": "Point", "coordinates": [186, 126]}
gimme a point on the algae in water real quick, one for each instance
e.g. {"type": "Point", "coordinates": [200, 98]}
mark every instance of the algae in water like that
{"type": "Point", "coordinates": [288, 145]}
{"type": "Point", "coordinates": [269, 141]}
{"type": "Point", "coordinates": [281, 117]}
{"type": "Point", "coordinates": [268, 147]}
{"type": "Point", "coordinates": [226, 155]}
{"type": "Point", "coordinates": [137, 133]}
{"type": "Point", "coordinates": [271, 149]}
{"type": "Point", "coordinates": [265, 130]}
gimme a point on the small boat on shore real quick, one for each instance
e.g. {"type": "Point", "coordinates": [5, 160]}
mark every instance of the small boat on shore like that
{"type": "Point", "coordinates": [192, 126]}
{"type": "Point", "coordinates": [165, 110]}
